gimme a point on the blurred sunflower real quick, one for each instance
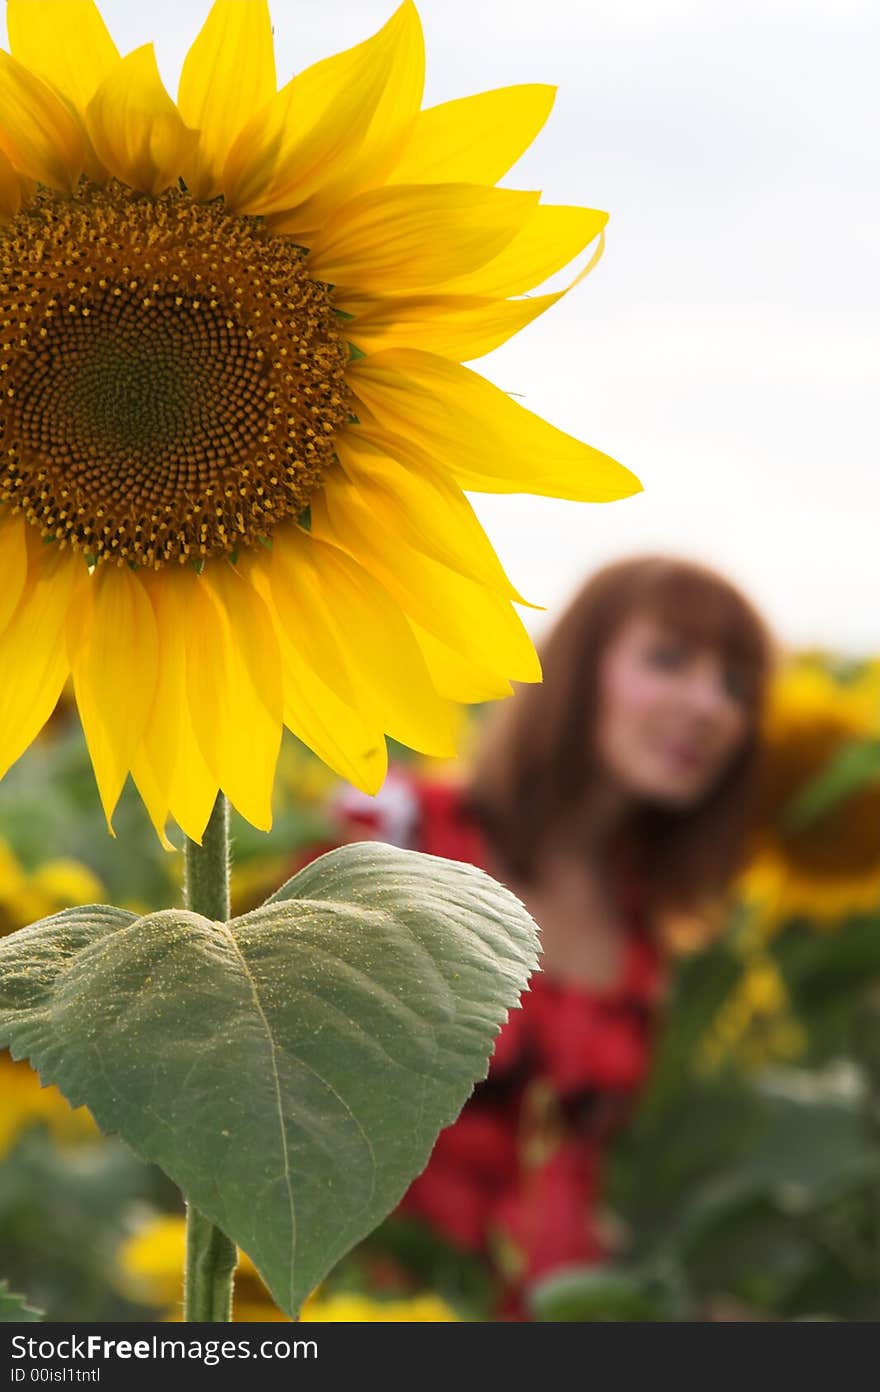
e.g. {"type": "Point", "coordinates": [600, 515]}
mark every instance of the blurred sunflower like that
{"type": "Point", "coordinates": [827, 867]}
{"type": "Point", "coordinates": [755, 1026]}
{"type": "Point", "coordinates": [24, 1103]}
{"type": "Point", "coordinates": [26, 896]}
{"type": "Point", "coordinates": [231, 335]}
{"type": "Point", "coordinates": [150, 1264]}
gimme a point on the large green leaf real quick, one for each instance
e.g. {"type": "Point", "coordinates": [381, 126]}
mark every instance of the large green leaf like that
{"type": "Point", "coordinates": [290, 1070]}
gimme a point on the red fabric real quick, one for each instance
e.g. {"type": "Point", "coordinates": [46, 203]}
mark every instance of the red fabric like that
{"type": "Point", "coordinates": [518, 1176]}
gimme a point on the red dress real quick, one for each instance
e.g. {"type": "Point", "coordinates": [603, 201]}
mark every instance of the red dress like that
{"type": "Point", "coordinates": [518, 1176]}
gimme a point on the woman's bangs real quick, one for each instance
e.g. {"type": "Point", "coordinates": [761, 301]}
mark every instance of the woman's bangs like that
{"type": "Point", "coordinates": [705, 611]}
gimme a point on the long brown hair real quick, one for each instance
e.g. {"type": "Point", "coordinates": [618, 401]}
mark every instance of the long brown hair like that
{"type": "Point", "coordinates": [535, 768]}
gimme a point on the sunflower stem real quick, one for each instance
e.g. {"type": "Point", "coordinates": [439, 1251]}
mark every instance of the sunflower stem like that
{"type": "Point", "coordinates": [210, 1257]}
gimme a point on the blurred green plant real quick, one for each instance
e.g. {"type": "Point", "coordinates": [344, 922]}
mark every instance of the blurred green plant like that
{"type": "Point", "coordinates": [15, 1309]}
{"type": "Point", "coordinates": [748, 1186]}
{"type": "Point", "coordinates": [752, 1195]}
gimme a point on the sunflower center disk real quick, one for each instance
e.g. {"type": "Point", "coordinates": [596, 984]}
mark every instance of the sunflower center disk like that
{"type": "Point", "coordinates": [171, 377]}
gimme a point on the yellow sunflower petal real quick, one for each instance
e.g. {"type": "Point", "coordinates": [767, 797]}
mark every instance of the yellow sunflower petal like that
{"type": "Point", "coordinates": [474, 140]}
{"type": "Point", "coordinates": [469, 619]}
{"type": "Point", "coordinates": [339, 735]}
{"type": "Point", "coordinates": [461, 327]}
{"type": "Point", "coordinates": [355, 637]}
{"type": "Point", "coordinates": [153, 795]}
{"type": "Point", "coordinates": [168, 768]}
{"type": "Point", "coordinates": [457, 678]}
{"type": "Point", "coordinates": [552, 237]}
{"type": "Point", "coordinates": [13, 549]}
{"type": "Point", "coordinates": [115, 662]}
{"type": "Point", "coordinates": [35, 672]}
{"type": "Point", "coordinates": [193, 789]}
{"type": "Point", "coordinates": [304, 612]}
{"type": "Point", "coordinates": [153, 762]}
{"type": "Point", "coordinates": [38, 133]}
{"type": "Point", "coordinates": [487, 441]}
{"type": "Point", "coordinates": [135, 128]}
{"type": "Point", "coordinates": [420, 505]}
{"type": "Point", "coordinates": [393, 682]}
{"type": "Point", "coordinates": [11, 188]}
{"type": "Point", "coordinates": [411, 236]}
{"type": "Point", "coordinates": [329, 727]}
{"type": "Point", "coordinates": [313, 646]}
{"type": "Point", "coordinates": [334, 130]}
{"type": "Point", "coordinates": [64, 41]}
{"type": "Point", "coordinates": [253, 632]}
{"type": "Point", "coordinates": [238, 735]}
{"type": "Point", "coordinates": [228, 74]}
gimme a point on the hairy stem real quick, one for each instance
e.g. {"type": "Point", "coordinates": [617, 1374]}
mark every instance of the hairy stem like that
{"type": "Point", "coordinates": [210, 1257]}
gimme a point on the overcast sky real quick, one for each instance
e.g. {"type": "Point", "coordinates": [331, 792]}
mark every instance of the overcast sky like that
{"type": "Point", "coordinates": [726, 348]}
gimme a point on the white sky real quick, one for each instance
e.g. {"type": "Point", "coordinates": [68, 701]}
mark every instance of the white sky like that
{"type": "Point", "coordinates": [726, 347]}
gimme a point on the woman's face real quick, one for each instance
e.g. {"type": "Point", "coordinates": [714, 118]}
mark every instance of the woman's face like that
{"type": "Point", "coordinates": [672, 714]}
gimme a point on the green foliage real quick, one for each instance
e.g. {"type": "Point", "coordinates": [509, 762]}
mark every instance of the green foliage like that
{"type": "Point", "coordinates": [592, 1295]}
{"type": "Point", "coordinates": [757, 1194]}
{"type": "Point", "coordinates": [289, 1070]}
{"type": "Point", "coordinates": [14, 1308]}
{"type": "Point", "coordinates": [64, 1213]}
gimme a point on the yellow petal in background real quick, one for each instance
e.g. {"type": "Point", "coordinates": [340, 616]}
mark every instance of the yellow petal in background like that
{"type": "Point", "coordinates": [403, 238]}
{"type": "Point", "coordinates": [64, 41]}
{"type": "Point", "coordinates": [35, 672]}
{"type": "Point", "coordinates": [474, 140]}
{"type": "Point", "coordinates": [115, 664]}
{"type": "Point", "coordinates": [135, 128]}
{"type": "Point", "coordinates": [338, 130]}
{"type": "Point", "coordinates": [487, 441]}
{"type": "Point", "coordinates": [228, 74]}
{"type": "Point", "coordinates": [38, 133]}
{"type": "Point", "coordinates": [461, 327]}
{"type": "Point", "coordinates": [553, 236]}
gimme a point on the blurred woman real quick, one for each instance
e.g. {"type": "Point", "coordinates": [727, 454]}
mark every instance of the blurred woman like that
{"type": "Point", "coordinates": [613, 799]}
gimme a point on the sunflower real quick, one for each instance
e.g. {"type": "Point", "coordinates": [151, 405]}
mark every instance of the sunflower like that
{"type": "Point", "coordinates": [27, 895]}
{"type": "Point", "coordinates": [25, 1103]}
{"type": "Point", "coordinates": [235, 425]}
{"type": "Point", "coordinates": [826, 868]}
